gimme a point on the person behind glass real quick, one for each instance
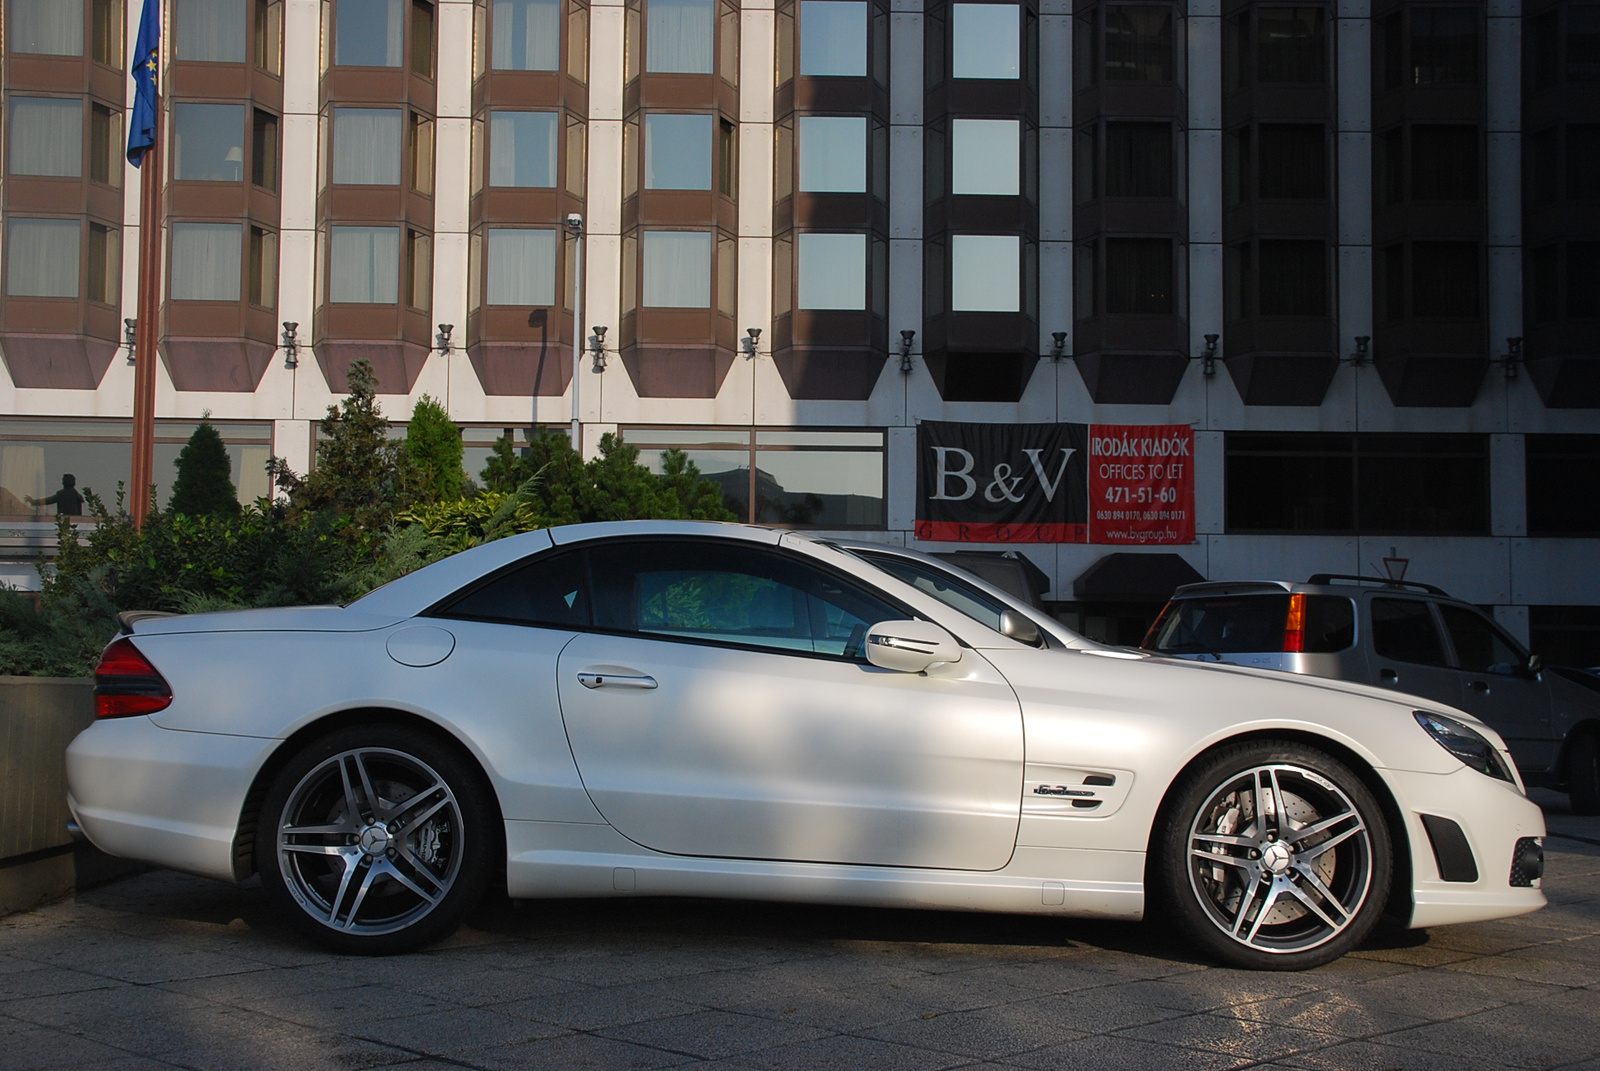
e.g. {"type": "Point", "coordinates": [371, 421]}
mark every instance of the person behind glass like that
{"type": "Point", "coordinates": [67, 501]}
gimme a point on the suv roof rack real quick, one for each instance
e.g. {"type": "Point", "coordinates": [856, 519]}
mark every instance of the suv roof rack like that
{"type": "Point", "coordinates": [1328, 578]}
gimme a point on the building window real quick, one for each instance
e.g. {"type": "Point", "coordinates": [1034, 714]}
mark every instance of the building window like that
{"type": "Point", "coordinates": [1138, 159]}
{"type": "Point", "coordinates": [364, 265]}
{"type": "Point", "coordinates": [677, 151]}
{"type": "Point", "coordinates": [1444, 279]}
{"type": "Point", "coordinates": [1139, 43]}
{"type": "Point", "coordinates": [269, 35]}
{"type": "Point", "coordinates": [677, 270]}
{"type": "Point", "coordinates": [366, 146]}
{"type": "Point", "coordinates": [1583, 280]}
{"type": "Point", "coordinates": [205, 261]}
{"type": "Point", "coordinates": [46, 136]}
{"type": "Point", "coordinates": [264, 150]}
{"type": "Point", "coordinates": [105, 264]}
{"type": "Point", "coordinates": [422, 38]}
{"type": "Point", "coordinates": [1444, 162]}
{"type": "Point", "coordinates": [420, 153]}
{"type": "Point", "coordinates": [369, 33]}
{"type": "Point", "coordinates": [1293, 278]}
{"type": "Point", "coordinates": [1293, 161]}
{"type": "Point", "coordinates": [1566, 635]}
{"type": "Point", "coordinates": [1563, 484]}
{"type": "Point", "coordinates": [263, 268]}
{"type": "Point", "coordinates": [42, 257]}
{"type": "Point", "coordinates": [986, 156]}
{"type": "Point", "coordinates": [105, 145]}
{"type": "Point", "coordinates": [1541, 276]}
{"type": "Point", "coordinates": [1583, 162]}
{"type": "Point", "coordinates": [680, 36]}
{"type": "Point", "coordinates": [1444, 45]}
{"type": "Point", "coordinates": [833, 38]}
{"type": "Point", "coordinates": [1289, 45]}
{"type": "Point", "coordinates": [1583, 43]}
{"type": "Point", "coordinates": [419, 269]}
{"type": "Point", "coordinates": [985, 273]}
{"type": "Point", "coordinates": [46, 27]}
{"type": "Point", "coordinates": [208, 142]}
{"type": "Point", "coordinates": [526, 35]}
{"type": "Point", "coordinates": [986, 41]}
{"type": "Point", "coordinates": [1335, 484]}
{"type": "Point", "coordinates": [523, 148]}
{"type": "Point", "coordinates": [105, 33]}
{"type": "Point", "coordinates": [1139, 275]}
{"type": "Point", "coordinates": [833, 154]}
{"type": "Point", "coordinates": [833, 271]}
{"type": "Point", "coordinates": [522, 267]}
{"type": "Point", "coordinates": [209, 31]}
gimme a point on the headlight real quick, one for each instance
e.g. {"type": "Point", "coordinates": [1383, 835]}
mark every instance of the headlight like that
{"type": "Point", "coordinates": [1466, 744]}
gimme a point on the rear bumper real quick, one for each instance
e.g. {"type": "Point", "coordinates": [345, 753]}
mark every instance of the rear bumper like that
{"type": "Point", "coordinates": [162, 796]}
{"type": "Point", "coordinates": [1493, 816]}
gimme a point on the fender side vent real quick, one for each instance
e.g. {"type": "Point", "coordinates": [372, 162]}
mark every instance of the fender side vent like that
{"type": "Point", "coordinates": [1450, 849]}
{"type": "Point", "coordinates": [1101, 779]}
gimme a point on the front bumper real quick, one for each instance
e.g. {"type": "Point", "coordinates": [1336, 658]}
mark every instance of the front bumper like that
{"type": "Point", "coordinates": [162, 796]}
{"type": "Point", "coordinates": [1493, 816]}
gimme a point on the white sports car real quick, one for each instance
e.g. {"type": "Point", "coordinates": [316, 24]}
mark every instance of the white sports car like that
{"type": "Point", "coordinates": [674, 708]}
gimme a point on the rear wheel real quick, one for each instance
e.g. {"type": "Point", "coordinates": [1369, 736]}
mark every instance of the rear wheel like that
{"type": "Point", "coordinates": [1583, 774]}
{"type": "Point", "coordinates": [1273, 856]}
{"type": "Point", "coordinates": [376, 839]}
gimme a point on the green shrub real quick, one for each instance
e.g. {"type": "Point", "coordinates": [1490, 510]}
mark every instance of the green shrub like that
{"type": "Point", "coordinates": [434, 451]}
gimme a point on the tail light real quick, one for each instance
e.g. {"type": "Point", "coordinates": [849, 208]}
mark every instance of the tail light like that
{"type": "Point", "coordinates": [126, 684]}
{"type": "Point", "coordinates": [1294, 629]}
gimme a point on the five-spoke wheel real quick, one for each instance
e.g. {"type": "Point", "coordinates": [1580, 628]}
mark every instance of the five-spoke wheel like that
{"type": "Point", "coordinates": [1274, 856]}
{"type": "Point", "coordinates": [377, 838]}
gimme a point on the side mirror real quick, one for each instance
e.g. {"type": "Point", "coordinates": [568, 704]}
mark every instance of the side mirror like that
{"type": "Point", "coordinates": [1535, 665]}
{"type": "Point", "coordinates": [910, 646]}
{"type": "Point", "coordinates": [1019, 627]}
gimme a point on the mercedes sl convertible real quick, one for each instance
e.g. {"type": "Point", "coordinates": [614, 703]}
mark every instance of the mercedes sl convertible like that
{"type": "Point", "coordinates": [695, 709]}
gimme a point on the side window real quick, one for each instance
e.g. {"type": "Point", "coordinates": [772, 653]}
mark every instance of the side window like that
{"type": "Point", "coordinates": [942, 586]}
{"type": "Point", "coordinates": [720, 592]}
{"type": "Point", "coordinates": [1330, 624]}
{"type": "Point", "coordinates": [1403, 629]}
{"type": "Point", "coordinates": [1480, 646]}
{"type": "Point", "coordinates": [549, 590]}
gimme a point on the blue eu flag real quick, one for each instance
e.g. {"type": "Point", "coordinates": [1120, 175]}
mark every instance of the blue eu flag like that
{"type": "Point", "coordinates": [146, 62]}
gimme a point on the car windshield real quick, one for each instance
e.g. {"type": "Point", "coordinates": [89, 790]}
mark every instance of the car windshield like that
{"type": "Point", "coordinates": [947, 588]}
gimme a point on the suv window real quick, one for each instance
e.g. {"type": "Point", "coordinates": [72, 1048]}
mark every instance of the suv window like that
{"type": "Point", "coordinates": [721, 592]}
{"type": "Point", "coordinates": [1480, 646]}
{"type": "Point", "coordinates": [1403, 630]}
{"type": "Point", "coordinates": [548, 590]}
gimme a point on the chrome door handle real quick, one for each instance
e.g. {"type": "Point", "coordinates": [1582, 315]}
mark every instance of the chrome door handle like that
{"type": "Point", "coordinates": [615, 680]}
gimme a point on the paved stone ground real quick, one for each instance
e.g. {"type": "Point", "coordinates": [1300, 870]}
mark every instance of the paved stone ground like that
{"type": "Point", "coordinates": [162, 971]}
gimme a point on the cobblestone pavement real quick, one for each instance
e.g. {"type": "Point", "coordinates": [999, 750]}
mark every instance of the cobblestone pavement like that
{"type": "Point", "coordinates": [163, 970]}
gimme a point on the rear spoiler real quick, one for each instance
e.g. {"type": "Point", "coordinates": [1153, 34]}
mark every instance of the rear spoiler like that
{"type": "Point", "coordinates": [1228, 587]}
{"type": "Point", "coordinates": [126, 619]}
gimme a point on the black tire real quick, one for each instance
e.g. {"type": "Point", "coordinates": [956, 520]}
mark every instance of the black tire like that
{"type": "Point", "coordinates": [1283, 894]}
{"type": "Point", "coordinates": [401, 873]}
{"type": "Point", "coordinates": [1583, 774]}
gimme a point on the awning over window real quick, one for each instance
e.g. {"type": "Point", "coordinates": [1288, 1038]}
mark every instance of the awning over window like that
{"type": "Point", "coordinates": [1131, 577]}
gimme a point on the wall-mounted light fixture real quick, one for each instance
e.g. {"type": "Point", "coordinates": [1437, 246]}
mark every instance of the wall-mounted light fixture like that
{"type": "Point", "coordinates": [441, 341]}
{"type": "Point", "coordinates": [907, 340]}
{"type": "Point", "coordinates": [1360, 355]}
{"type": "Point", "coordinates": [1513, 356]}
{"type": "Point", "coordinates": [1208, 359]}
{"type": "Point", "coordinates": [1058, 345]}
{"type": "Point", "coordinates": [130, 337]}
{"type": "Point", "coordinates": [597, 346]}
{"type": "Point", "coordinates": [290, 343]}
{"type": "Point", "coordinates": [751, 341]}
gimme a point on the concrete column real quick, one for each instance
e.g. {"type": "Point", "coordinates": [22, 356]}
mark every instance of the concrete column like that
{"type": "Point", "coordinates": [1205, 171]}
{"type": "Point", "coordinates": [1504, 192]}
{"type": "Point", "coordinates": [905, 175]}
{"type": "Point", "coordinates": [1353, 161]}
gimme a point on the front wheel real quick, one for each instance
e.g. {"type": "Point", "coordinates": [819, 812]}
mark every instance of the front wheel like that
{"type": "Point", "coordinates": [1273, 856]}
{"type": "Point", "coordinates": [376, 839]}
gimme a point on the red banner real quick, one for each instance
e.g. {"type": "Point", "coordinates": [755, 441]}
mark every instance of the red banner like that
{"type": "Point", "coordinates": [1141, 483]}
{"type": "Point", "coordinates": [964, 532]}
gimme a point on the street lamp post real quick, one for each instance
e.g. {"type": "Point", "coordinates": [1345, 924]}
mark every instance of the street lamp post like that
{"type": "Point", "coordinates": [575, 228]}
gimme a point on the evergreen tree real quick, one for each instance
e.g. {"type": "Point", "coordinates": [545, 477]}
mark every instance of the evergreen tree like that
{"type": "Point", "coordinates": [434, 449]}
{"type": "Point", "coordinates": [204, 486]}
{"type": "Point", "coordinates": [360, 471]}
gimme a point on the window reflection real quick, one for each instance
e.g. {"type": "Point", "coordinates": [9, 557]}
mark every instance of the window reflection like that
{"type": "Point", "coordinates": [208, 142]}
{"type": "Point", "coordinates": [677, 152]}
{"type": "Point", "coordinates": [833, 154]}
{"type": "Point", "coordinates": [369, 33]}
{"type": "Point", "coordinates": [986, 41]}
{"type": "Point", "coordinates": [984, 273]}
{"type": "Point", "coordinates": [985, 156]}
{"type": "Point", "coordinates": [1139, 43]}
{"type": "Point", "coordinates": [527, 35]}
{"type": "Point", "coordinates": [523, 148]}
{"type": "Point", "coordinates": [833, 38]}
{"type": "Point", "coordinates": [679, 36]}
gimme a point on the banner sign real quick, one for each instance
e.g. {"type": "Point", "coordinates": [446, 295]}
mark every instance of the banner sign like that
{"type": "Point", "coordinates": [1055, 483]}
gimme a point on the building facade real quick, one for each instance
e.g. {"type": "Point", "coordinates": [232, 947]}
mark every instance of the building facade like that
{"type": "Point", "coordinates": [1355, 246]}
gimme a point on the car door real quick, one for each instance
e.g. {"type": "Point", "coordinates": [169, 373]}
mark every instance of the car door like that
{"type": "Point", "coordinates": [1497, 687]}
{"type": "Point", "coordinates": [1407, 651]}
{"type": "Point", "coordinates": [723, 707]}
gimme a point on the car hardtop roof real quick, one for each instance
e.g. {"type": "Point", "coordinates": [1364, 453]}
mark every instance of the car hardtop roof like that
{"type": "Point", "coordinates": [1319, 580]}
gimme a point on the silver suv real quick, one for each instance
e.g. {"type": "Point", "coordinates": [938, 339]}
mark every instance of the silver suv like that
{"type": "Point", "coordinates": [1410, 637]}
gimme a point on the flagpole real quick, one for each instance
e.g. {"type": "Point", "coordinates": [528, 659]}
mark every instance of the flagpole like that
{"type": "Point", "coordinates": [147, 328]}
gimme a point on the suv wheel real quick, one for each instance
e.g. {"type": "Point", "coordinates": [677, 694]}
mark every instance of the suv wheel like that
{"type": "Point", "coordinates": [1583, 774]}
{"type": "Point", "coordinates": [1273, 856]}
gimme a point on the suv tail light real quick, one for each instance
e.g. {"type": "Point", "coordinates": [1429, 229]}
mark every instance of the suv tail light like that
{"type": "Point", "coordinates": [1294, 626]}
{"type": "Point", "coordinates": [126, 684]}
